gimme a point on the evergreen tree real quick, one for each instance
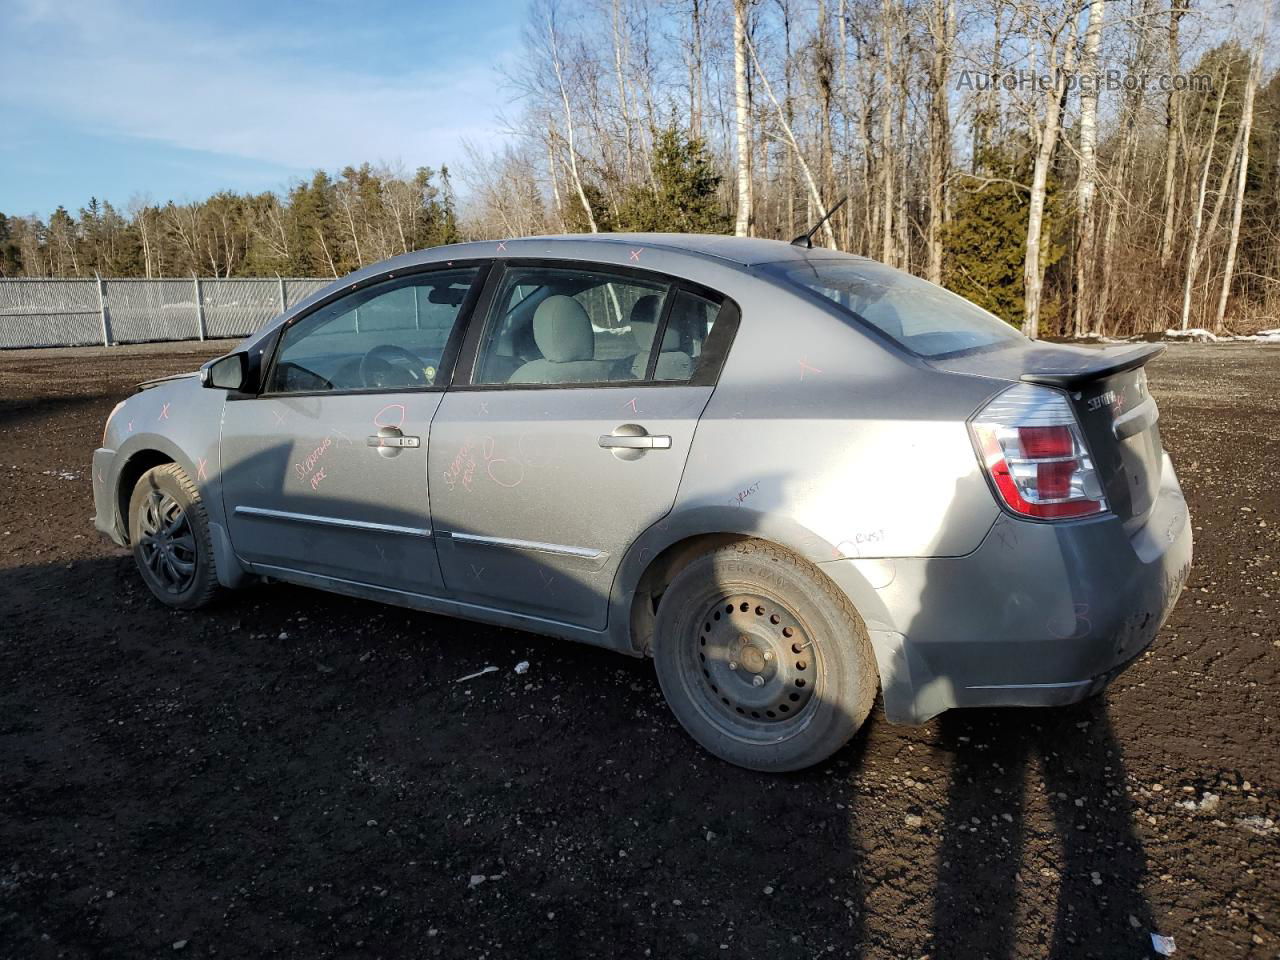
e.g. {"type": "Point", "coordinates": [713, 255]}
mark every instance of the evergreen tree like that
{"type": "Point", "coordinates": [685, 196]}
{"type": "Point", "coordinates": [10, 252]}
{"type": "Point", "coordinates": [985, 241]}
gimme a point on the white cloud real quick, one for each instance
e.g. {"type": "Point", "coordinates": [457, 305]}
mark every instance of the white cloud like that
{"type": "Point", "coordinates": [233, 92]}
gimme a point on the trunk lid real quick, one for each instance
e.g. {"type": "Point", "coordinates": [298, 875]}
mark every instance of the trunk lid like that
{"type": "Point", "coordinates": [1108, 391]}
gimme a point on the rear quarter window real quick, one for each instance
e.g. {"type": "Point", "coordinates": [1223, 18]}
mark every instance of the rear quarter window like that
{"type": "Point", "coordinates": [917, 315]}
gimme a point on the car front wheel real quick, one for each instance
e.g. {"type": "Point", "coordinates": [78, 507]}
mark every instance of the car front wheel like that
{"type": "Point", "coordinates": [169, 531]}
{"type": "Point", "coordinates": [763, 661]}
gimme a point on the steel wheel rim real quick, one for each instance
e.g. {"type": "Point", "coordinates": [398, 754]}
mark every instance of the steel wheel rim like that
{"type": "Point", "coordinates": [752, 668]}
{"type": "Point", "coordinates": [167, 543]}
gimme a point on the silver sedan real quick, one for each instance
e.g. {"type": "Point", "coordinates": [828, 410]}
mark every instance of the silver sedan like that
{"type": "Point", "coordinates": [791, 476]}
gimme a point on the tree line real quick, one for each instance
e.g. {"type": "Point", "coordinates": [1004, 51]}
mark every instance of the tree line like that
{"type": "Point", "coordinates": [325, 226]}
{"type": "Point", "coordinates": [1108, 166]}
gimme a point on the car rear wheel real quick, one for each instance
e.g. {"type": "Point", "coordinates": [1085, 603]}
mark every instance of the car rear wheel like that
{"type": "Point", "coordinates": [763, 661]}
{"type": "Point", "coordinates": [169, 531]}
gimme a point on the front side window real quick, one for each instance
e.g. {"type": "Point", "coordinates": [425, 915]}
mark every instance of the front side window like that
{"type": "Point", "coordinates": [391, 335]}
{"type": "Point", "coordinates": [926, 319]}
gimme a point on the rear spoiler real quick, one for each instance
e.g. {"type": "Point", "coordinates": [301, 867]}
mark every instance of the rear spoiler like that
{"type": "Point", "coordinates": [1074, 369]}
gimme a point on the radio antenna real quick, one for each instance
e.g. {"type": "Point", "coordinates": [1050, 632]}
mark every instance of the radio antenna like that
{"type": "Point", "coordinates": [806, 239]}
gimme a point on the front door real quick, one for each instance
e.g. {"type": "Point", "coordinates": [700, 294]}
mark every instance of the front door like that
{"type": "Point", "coordinates": [569, 438]}
{"type": "Point", "coordinates": [325, 471]}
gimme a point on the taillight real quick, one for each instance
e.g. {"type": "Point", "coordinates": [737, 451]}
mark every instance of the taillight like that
{"type": "Point", "coordinates": [1031, 445]}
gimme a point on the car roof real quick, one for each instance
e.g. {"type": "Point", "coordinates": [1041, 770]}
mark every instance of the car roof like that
{"type": "Point", "coordinates": [744, 251]}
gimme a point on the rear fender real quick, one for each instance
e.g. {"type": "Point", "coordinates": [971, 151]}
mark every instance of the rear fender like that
{"type": "Point", "coordinates": [710, 522]}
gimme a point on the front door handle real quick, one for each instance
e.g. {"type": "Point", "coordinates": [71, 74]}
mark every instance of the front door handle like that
{"type": "Point", "coordinates": [646, 442]}
{"type": "Point", "coordinates": [390, 441]}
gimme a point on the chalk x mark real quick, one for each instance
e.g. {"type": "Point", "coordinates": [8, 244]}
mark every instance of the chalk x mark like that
{"type": "Point", "coordinates": [805, 367]}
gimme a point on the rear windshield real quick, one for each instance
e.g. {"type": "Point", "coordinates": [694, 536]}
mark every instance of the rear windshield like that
{"type": "Point", "coordinates": [924, 318]}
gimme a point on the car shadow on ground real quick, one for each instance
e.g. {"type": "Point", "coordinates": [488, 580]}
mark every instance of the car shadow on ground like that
{"type": "Point", "coordinates": [258, 775]}
{"type": "Point", "coordinates": [1015, 772]}
{"type": "Point", "coordinates": [291, 766]}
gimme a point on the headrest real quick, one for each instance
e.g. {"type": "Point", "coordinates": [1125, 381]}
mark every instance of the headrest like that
{"type": "Point", "coordinates": [646, 310]}
{"type": "Point", "coordinates": [562, 330]}
{"type": "Point", "coordinates": [645, 332]}
{"type": "Point", "coordinates": [644, 325]}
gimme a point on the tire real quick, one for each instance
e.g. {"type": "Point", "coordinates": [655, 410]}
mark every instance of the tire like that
{"type": "Point", "coordinates": [169, 531]}
{"type": "Point", "coordinates": [763, 661]}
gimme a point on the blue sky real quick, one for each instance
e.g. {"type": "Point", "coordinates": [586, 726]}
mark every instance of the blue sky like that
{"type": "Point", "coordinates": [114, 99]}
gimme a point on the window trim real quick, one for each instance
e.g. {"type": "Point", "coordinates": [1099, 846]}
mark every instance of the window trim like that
{"type": "Point", "coordinates": [711, 361]}
{"type": "Point", "coordinates": [448, 356]}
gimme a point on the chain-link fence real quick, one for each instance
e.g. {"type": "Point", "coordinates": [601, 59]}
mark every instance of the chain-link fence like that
{"type": "Point", "coordinates": [67, 313]}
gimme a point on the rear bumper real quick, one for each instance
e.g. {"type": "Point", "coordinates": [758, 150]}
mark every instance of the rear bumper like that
{"type": "Point", "coordinates": [1038, 615]}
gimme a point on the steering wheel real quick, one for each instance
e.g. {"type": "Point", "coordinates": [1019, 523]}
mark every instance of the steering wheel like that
{"type": "Point", "coordinates": [377, 369]}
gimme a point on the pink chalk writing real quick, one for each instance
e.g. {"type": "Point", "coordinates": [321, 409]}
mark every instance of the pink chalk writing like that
{"type": "Point", "coordinates": [807, 367]}
{"type": "Point", "coordinates": [164, 413]}
{"type": "Point", "coordinates": [316, 478]}
{"type": "Point", "coordinates": [304, 468]}
{"type": "Point", "coordinates": [502, 245]}
{"type": "Point", "coordinates": [1081, 624]}
{"type": "Point", "coordinates": [131, 426]}
{"type": "Point", "coordinates": [503, 472]}
{"type": "Point", "coordinates": [462, 469]}
{"type": "Point", "coordinates": [632, 404]}
{"type": "Point", "coordinates": [201, 464]}
{"type": "Point", "coordinates": [635, 254]}
{"type": "Point", "coordinates": [392, 415]}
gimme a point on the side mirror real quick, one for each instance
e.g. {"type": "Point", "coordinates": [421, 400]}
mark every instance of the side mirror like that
{"type": "Point", "coordinates": [226, 373]}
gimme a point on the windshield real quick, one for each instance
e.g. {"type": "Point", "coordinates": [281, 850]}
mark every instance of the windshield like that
{"type": "Point", "coordinates": [924, 318]}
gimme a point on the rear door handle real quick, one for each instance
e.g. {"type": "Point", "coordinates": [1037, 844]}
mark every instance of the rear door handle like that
{"type": "Point", "coordinates": [647, 442]}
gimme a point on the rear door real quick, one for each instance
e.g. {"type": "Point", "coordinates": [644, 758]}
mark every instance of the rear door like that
{"type": "Point", "coordinates": [325, 471]}
{"type": "Point", "coordinates": [567, 435]}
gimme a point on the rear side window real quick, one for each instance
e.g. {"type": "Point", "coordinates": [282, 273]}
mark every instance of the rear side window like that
{"type": "Point", "coordinates": [923, 318]}
{"type": "Point", "coordinates": [553, 325]}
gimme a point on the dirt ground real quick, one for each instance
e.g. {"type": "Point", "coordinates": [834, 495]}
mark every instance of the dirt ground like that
{"type": "Point", "coordinates": [294, 774]}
